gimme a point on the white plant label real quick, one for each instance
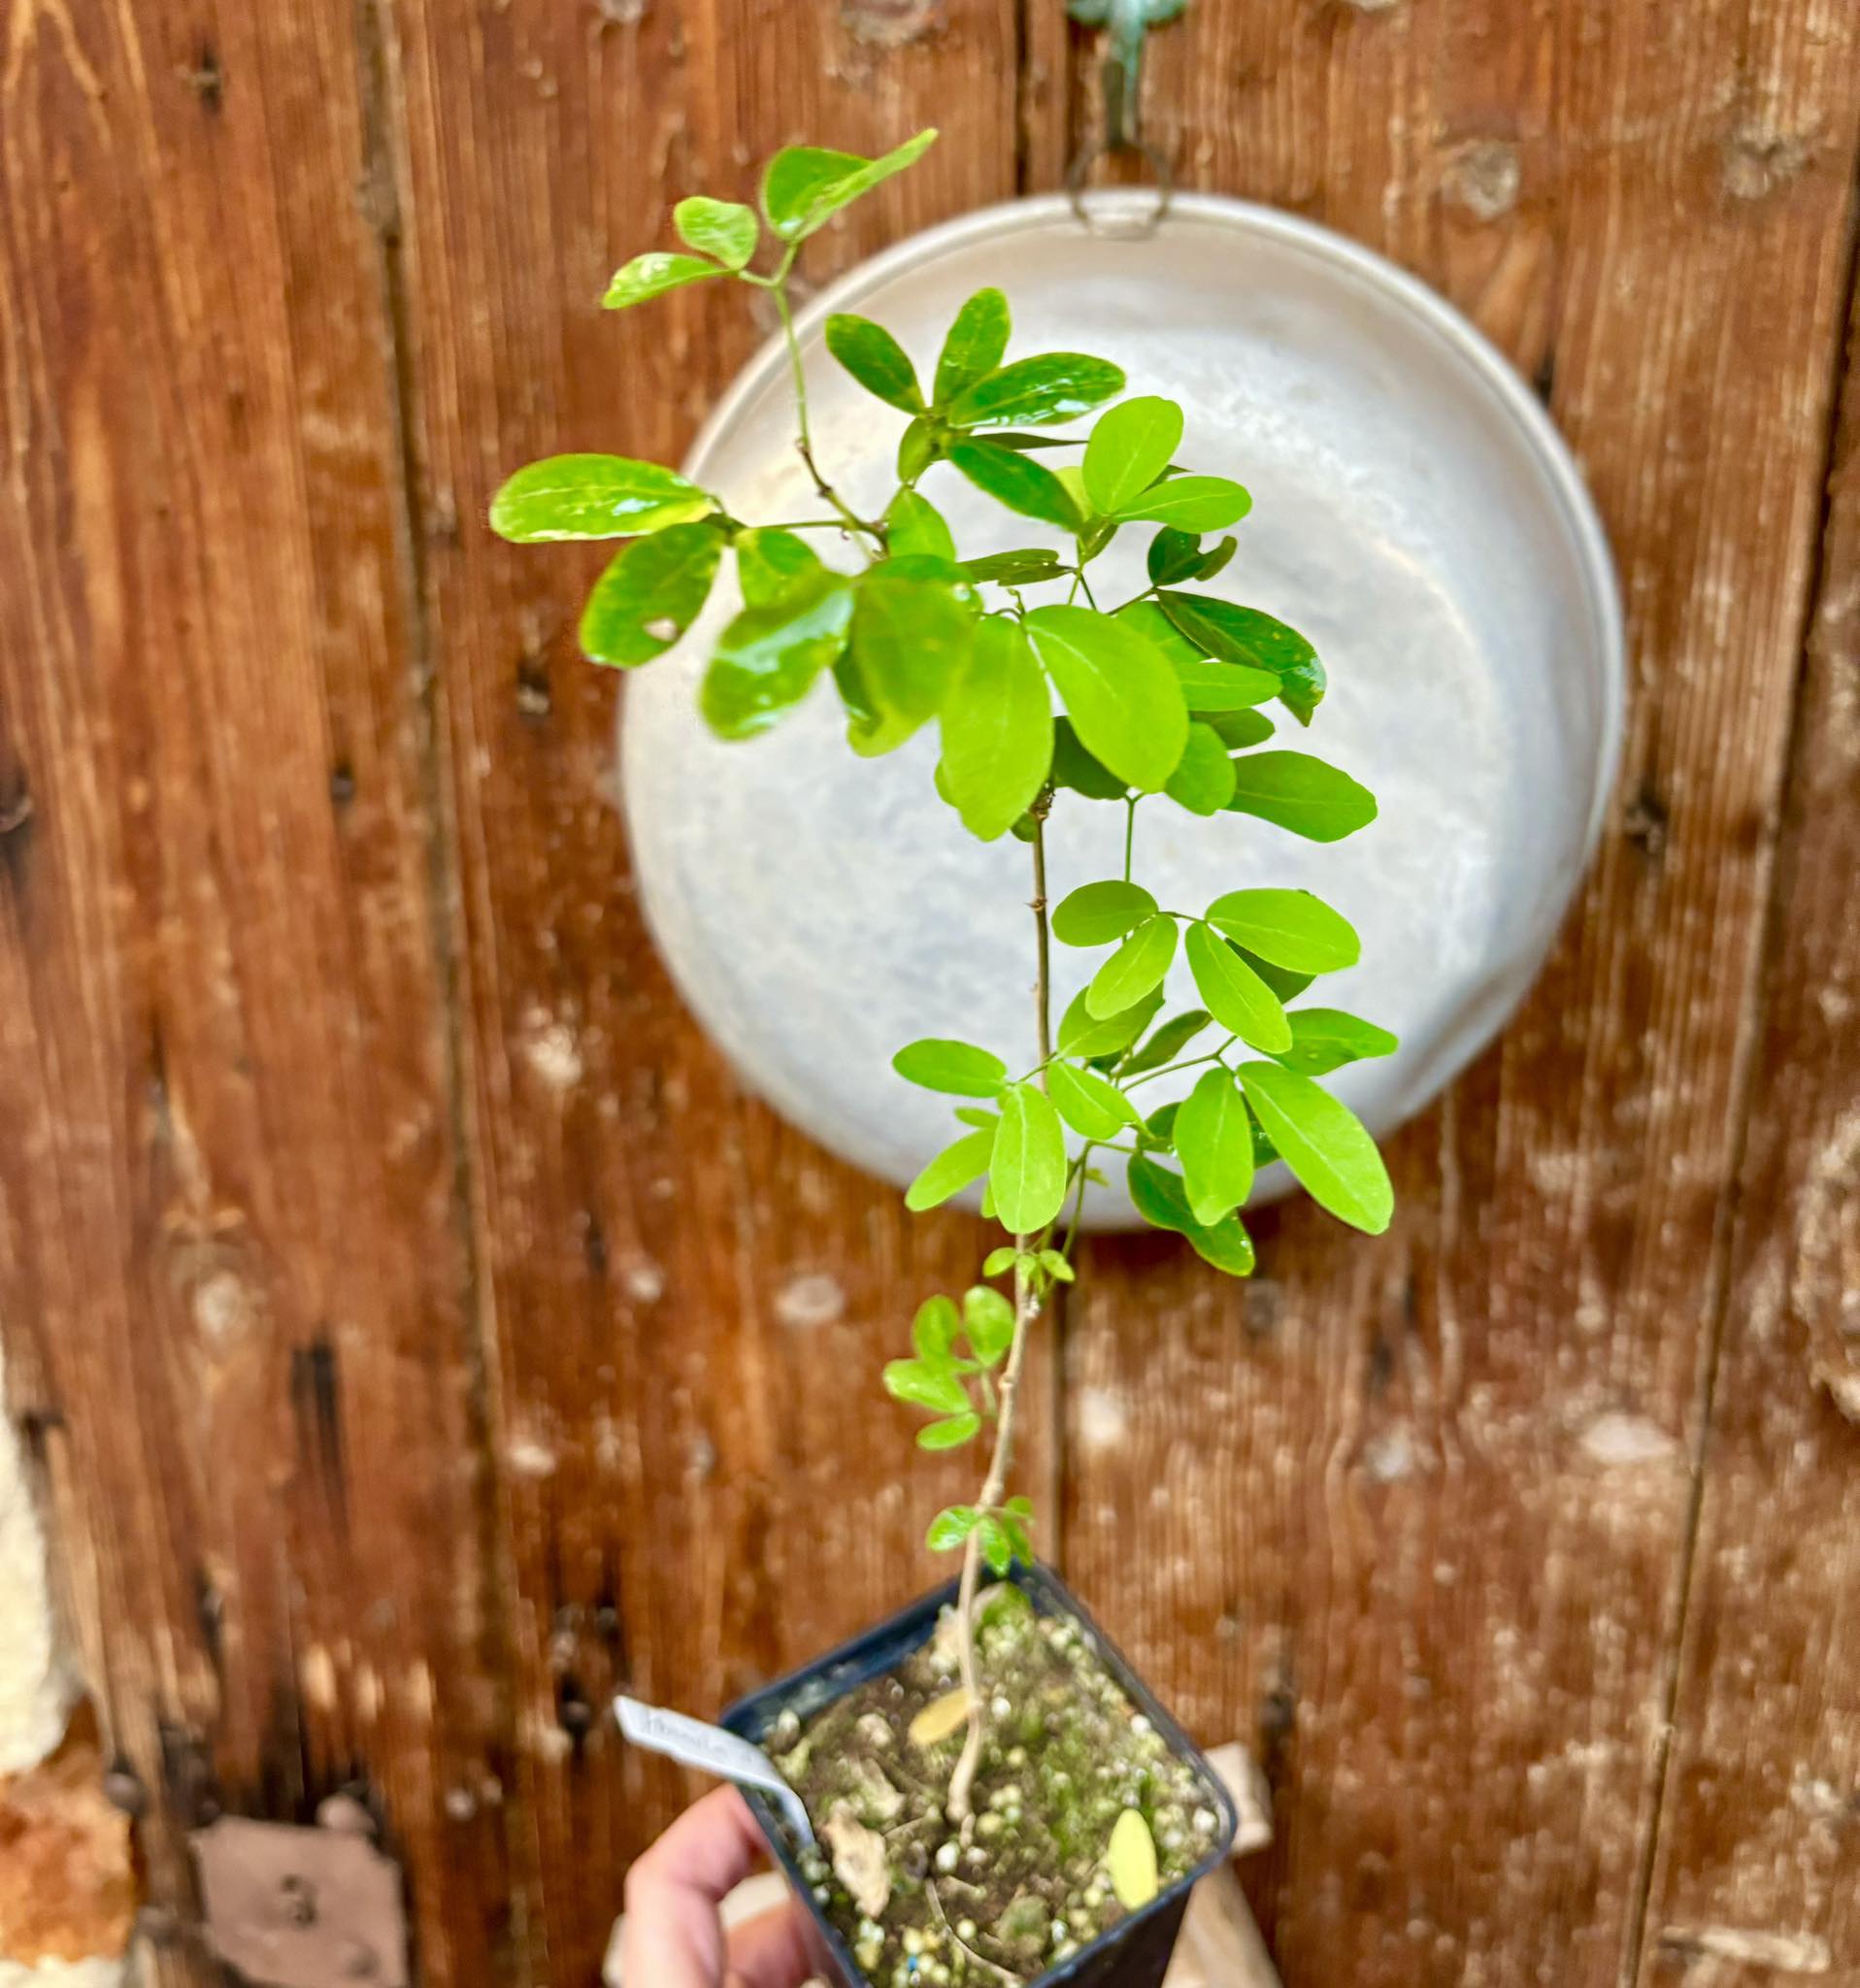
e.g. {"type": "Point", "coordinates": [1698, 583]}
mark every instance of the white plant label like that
{"type": "Point", "coordinates": [693, 1744]}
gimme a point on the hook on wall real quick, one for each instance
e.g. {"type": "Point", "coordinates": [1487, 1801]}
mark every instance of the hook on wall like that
{"type": "Point", "coordinates": [1126, 23]}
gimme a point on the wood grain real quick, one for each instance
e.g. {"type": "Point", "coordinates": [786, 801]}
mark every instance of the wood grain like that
{"type": "Point", "coordinates": [231, 1275]}
{"type": "Point", "coordinates": [1758, 1846]}
{"type": "Point", "coordinates": [702, 1483]}
{"type": "Point", "coordinates": [1418, 1512]}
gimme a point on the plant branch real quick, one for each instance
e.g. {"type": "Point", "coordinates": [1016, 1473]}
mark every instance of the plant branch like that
{"type": "Point", "coordinates": [1026, 1308]}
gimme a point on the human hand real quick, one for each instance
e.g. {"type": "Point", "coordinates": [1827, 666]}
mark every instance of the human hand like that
{"type": "Point", "coordinates": [674, 1937]}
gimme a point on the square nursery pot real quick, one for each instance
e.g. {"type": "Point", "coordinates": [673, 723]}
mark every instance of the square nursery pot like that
{"type": "Point", "coordinates": [1134, 1953]}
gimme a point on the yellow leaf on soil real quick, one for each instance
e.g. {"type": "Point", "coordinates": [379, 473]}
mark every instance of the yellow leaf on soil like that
{"type": "Point", "coordinates": [1131, 1859]}
{"type": "Point", "coordinates": [941, 1717]}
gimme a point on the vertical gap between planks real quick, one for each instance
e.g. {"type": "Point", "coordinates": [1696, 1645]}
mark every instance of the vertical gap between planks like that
{"type": "Point", "coordinates": [1759, 980]}
{"type": "Point", "coordinates": [383, 207]}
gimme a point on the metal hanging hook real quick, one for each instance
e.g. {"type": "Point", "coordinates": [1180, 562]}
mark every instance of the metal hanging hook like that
{"type": "Point", "coordinates": [1126, 23]}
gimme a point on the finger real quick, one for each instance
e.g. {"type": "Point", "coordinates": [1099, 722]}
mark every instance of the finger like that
{"type": "Point", "coordinates": [672, 1938]}
{"type": "Point", "coordinates": [771, 1950]}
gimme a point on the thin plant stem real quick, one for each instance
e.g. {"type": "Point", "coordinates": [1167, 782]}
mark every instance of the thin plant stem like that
{"type": "Point", "coordinates": [1026, 1308]}
{"type": "Point", "coordinates": [1130, 833]}
{"type": "Point", "coordinates": [803, 440]}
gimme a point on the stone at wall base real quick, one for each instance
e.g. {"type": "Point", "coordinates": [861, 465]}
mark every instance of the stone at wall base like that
{"type": "Point", "coordinates": [68, 1887]}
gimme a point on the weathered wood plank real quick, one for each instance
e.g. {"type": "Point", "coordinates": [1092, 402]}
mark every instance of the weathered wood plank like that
{"type": "Point", "coordinates": [1418, 1509]}
{"type": "Point", "coordinates": [691, 1303]}
{"type": "Point", "coordinates": [231, 1271]}
{"type": "Point", "coordinates": [1758, 1838]}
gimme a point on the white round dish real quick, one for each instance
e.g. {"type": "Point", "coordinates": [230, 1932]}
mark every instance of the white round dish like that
{"type": "Point", "coordinates": [1415, 513]}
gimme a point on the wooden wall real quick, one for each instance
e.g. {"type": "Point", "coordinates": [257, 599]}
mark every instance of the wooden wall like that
{"type": "Point", "coordinates": [421, 1331]}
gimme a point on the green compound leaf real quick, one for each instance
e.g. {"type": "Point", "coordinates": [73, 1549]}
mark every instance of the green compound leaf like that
{"type": "Point", "coordinates": [650, 595]}
{"type": "Point", "coordinates": [1244, 635]}
{"type": "Point", "coordinates": [1215, 1142]}
{"type": "Point", "coordinates": [1094, 1108]}
{"type": "Point", "coordinates": [915, 528]}
{"type": "Point", "coordinates": [771, 564]}
{"type": "Point", "coordinates": [1097, 913]}
{"type": "Point", "coordinates": [1129, 448]}
{"type": "Point", "coordinates": [950, 1528]}
{"type": "Point", "coordinates": [950, 1435]}
{"type": "Point", "coordinates": [1130, 973]}
{"type": "Point", "coordinates": [1203, 780]}
{"type": "Point", "coordinates": [594, 497]}
{"type": "Point", "coordinates": [1119, 691]}
{"type": "Point", "coordinates": [1291, 928]}
{"type": "Point", "coordinates": [1307, 796]}
{"type": "Point", "coordinates": [926, 1386]}
{"type": "Point", "coordinates": [804, 187]}
{"type": "Point", "coordinates": [1082, 1034]}
{"type": "Point", "coordinates": [951, 1171]}
{"type": "Point", "coordinates": [1235, 995]}
{"type": "Point", "coordinates": [1194, 504]}
{"type": "Point", "coordinates": [1325, 1039]}
{"type": "Point", "coordinates": [958, 1070]}
{"type": "Point", "coordinates": [997, 730]}
{"type": "Point", "coordinates": [651, 275]}
{"type": "Point", "coordinates": [1054, 386]}
{"type": "Point", "coordinates": [987, 1318]}
{"type": "Point", "coordinates": [723, 228]}
{"type": "Point", "coordinates": [1324, 1143]}
{"type": "Point", "coordinates": [976, 345]}
{"type": "Point", "coordinates": [875, 360]}
{"type": "Point", "coordinates": [1025, 487]}
{"type": "Point", "coordinates": [1028, 1170]}
{"type": "Point", "coordinates": [770, 657]}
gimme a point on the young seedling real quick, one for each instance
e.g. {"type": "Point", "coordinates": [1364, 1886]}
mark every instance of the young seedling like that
{"type": "Point", "coordinates": [1037, 689]}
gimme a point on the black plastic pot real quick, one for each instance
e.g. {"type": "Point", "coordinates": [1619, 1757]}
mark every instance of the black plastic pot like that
{"type": "Point", "coordinates": [1135, 1953]}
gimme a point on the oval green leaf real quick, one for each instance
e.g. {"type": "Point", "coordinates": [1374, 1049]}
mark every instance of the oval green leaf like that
{"type": "Point", "coordinates": [650, 595]}
{"type": "Point", "coordinates": [1235, 995]}
{"type": "Point", "coordinates": [1244, 635]}
{"type": "Point", "coordinates": [805, 185]}
{"type": "Point", "coordinates": [770, 657]}
{"type": "Point", "coordinates": [1324, 1143]}
{"type": "Point", "coordinates": [1130, 447]}
{"type": "Point", "coordinates": [951, 1170]}
{"type": "Point", "coordinates": [1082, 1034]}
{"type": "Point", "coordinates": [1137, 966]}
{"type": "Point", "coordinates": [1025, 487]}
{"type": "Point", "coordinates": [988, 1320]}
{"type": "Point", "coordinates": [1291, 928]}
{"type": "Point", "coordinates": [653, 274]}
{"type": "Point", "coordinates": [875, 360]}
{"type": "Point", "coordinates": [933, 1330]}
{"type": "Point", "coordinates": [1325, 1039]}
{"type": "Point", "coordinates": [926, 1386]}
{"type": "Point", "coordinates": [1075, 769]}
{"type": "Point", "coordinates": [593, 497]}
{"type": "Point", "coordinates": [1307, 796]}
{"type": "Point", "coordinates": [1169, 1042]}
{"type": "Point", "coordinates": [915, 528]}
{"type": "Point", "coordinates": [1054, 386]}
{"type": "Point", "coordinates": [908, 636]}
{"type": "Point", "coordinates": [997, 730]}
{"type": "Point", "coordinates": [1193, 504]}
{"type": "Point", "coordinates": [1131, 1859]}
{"type": "Point", "coordinates": [1026, 566]}
{"type": "Point", "coordinates": [958, 1070]}
{"type": "Point", "coordinates": [1214, 1142]}
{"type": "Point", "coordinates": [1121, 694]}
{"type": "Point", "coordinates": [1088, 1102]}
{"type": "Point", "coordinates": [1096, 913]}
{"type": "Point", "coordinates": [976, 343]}
{"type": "Point", "coordinates": [772, 563]}
{"type": "Point", "coordinates": [950, 1435]}
{"type": "Point", "coordinates": [723, 228]}
{"type": "Point", "coordinates": [1203, 780]}
{"type": "Point", "coordinates": [1028, 1169]}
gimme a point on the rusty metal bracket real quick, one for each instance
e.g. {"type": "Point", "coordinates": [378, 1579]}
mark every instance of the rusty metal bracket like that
{"type": "Point", "coordinates": [1126, 24]}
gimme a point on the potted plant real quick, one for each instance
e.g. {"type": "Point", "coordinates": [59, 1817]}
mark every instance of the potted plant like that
{"type": "Point", "coordinates": [996, 1796]}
